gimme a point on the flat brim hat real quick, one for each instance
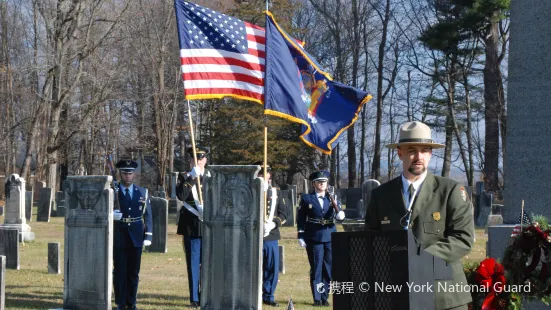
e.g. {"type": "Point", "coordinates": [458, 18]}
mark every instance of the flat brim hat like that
{"type": "Point", "coordinates": [201, 152]}
{"type": "Point", "coordinates": [319, 176]}
{"type": "Point", "coordinates": [261, 164]}
{"type": "Point", "coordinates": [415, 133]}
{"type": "Point", "coordinates": [126, 165]}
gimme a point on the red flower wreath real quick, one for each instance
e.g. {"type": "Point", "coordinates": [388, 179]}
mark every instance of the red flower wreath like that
{"type": "Point", "coordinates": [491, 275]}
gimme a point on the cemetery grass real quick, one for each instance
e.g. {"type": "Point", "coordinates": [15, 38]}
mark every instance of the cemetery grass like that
{"type": "Point", "coordinates": [163, 278]}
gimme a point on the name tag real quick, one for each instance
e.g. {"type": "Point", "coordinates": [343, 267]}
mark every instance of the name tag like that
{"type": "Point", "coordinates": [385, 220]}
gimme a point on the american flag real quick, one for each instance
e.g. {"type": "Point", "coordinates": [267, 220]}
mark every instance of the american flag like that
{"type": "Point", "coordinates": [525, 220]}
{"type": "Point", "coordinates": [220, 55]}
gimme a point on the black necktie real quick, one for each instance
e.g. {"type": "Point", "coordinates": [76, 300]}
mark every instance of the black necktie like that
{"type": "Point", "coordinates": [411, 191]}
{"type": "Point", "coordinates": [127, 193]}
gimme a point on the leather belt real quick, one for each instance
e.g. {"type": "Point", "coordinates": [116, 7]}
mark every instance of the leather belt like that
{"type": "Point", "coordinates": [130, 219]}
{"type": "Point", "coordinates": [320, 221]}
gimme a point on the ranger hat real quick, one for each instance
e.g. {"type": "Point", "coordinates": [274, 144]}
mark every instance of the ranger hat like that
{"type": "Point", "coordinates": [415, 133]}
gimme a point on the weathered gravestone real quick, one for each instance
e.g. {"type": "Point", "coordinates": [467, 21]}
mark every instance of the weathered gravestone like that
{"type": "Point", "coordinates": [231, 274]}
{"type": "Point", "coordinates": [2, 282]}
{"type": "Point", "coordinates": [14, 217]}
{"type": "Point", "coordinates": [2, 210]}
{"type": "Point", "coordinates": [293, 188]}
{"type": "Point", "coordinates": [28, 205]}
{"type": "Point", "coordinates": [483, 205]}
{"type": "Point", "coordinates": [367, 187]}
{"type": "Point", "coordinates": [353, 195]}
{"type": "Point", "coordinates": [36, 190]}
{"type": "Point", "coordinates": [173, 182]}
{"type": "Point", "coordinates": [54, 265]}
{"type": "Point", "coordinates": [44, 205]}
{"type": "Point", "coordinates": [285, 197]}
{"type": "Point", "coordinates": [174, 206]}
{"type": "Point", "coordinates": [528, 112]}
{"type": "Point", "coordinates": [159, 213]}
{"type": "Point", "coordinates": [9, 247]}
{"type": "Point", "coordinates": [306, 188]}
{"type": "Point", "coordinates": [88, 230]}
{"type": "Point", "coordinates": [61, 209]}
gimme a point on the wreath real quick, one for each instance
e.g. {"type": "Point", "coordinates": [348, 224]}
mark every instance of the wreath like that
{"type": "Point", "coordinates": [526, 260]}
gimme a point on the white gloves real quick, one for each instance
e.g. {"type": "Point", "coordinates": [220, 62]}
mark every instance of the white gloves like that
{"type": "Point", "coordinates": [195, 172]}
{"type": "Point", "coordinates": [301, 243]}
{"type": "Point", "coordinates": [268, 228]}
{"type": "Point", "coordinates": [117, 215]}
{"type": "Point", "coordinates": [146, 242]}
{"type": "Point", "coordinates": [266, 185]}
{"type": "Point", "coordinates": [340, 216]}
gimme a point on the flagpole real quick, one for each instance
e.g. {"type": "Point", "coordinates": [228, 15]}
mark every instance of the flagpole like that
{"type": "Point", "coordinates": [265, 165]}
{"type": "Point", "coordinates": [194, 153]}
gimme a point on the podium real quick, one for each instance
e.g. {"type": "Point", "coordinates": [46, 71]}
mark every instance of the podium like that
{"type": "Point", "coordinates": [375, 268]}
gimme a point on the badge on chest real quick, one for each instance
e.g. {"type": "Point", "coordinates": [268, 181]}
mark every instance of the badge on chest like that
{"type": "Point", "coordinates": [385, 220]}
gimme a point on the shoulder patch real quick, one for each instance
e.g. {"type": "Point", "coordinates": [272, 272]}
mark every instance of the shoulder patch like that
{"type": "Point", "coordinates": [463, 193]}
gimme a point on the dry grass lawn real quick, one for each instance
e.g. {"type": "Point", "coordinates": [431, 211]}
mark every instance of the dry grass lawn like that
{"type": "Point", "coordinates": [163, 280]}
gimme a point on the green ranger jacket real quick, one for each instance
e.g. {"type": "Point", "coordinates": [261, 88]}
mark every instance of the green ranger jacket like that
{"type": "Point", "coordinates": [441, 220]}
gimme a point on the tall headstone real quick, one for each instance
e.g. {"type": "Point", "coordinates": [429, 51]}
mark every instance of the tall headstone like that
{"type": "Point", "coordinates": [14, 217]}
{"type": "Point", "coordinates": [2, 282]}
{"type": "Point", "coordinates": [60, 204]}
{"type": "Point", "coordinates": [174, 205]}
{"type": "Point", "coordinates": [353, 195]}
{"type": "Point", "coordinates": [159, 213]}
{"type": "Point", "coordinates": [88, 225]}
{"type": "Point", "coordinates": [306, 188]}
{"type": "Point", "coordinates": [293, 188]}
{"type": "Point", "coordinates": [54, 265]}
{"type": "Point", "coordinates": [231, 275]}
{"type": "Point", "coordinates": [28, 205]}
{"type": "Point", "coordinates": [9, 247]}
{"type": "Point", "coordinates": [44, 205]}
{"type": "Point", "coordinates": [529, 90]}
{"type": "Point", "coordinates": [285, 197]}
{"type": "Point", "coordinates": [36, 190]}
{"type": "Point", "coordinates": [173, 182]}
{"type": "Point", "coordinates": [367, 187]}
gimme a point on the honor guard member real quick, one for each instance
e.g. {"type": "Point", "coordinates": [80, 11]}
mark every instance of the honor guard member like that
{"type": "Point", "coordinates": [190, 221]}
{"type": "Point", "coordinates": [276, 214]}
{"type": "Point", "coordinates": [132, 226]}
{"type": "Point", "coordinates": [435, 208]}
{"type": "Point", "coordinates": [315, 223]}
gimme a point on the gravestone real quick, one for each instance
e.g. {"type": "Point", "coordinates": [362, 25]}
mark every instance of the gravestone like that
{"type": "Point", "coordinates": [60, 204]}
{"type": "Point", "coordinates": [174, 206]}
{"type": "Point", "coordinates": [286, 197]}
{"type": "Point", "coordinates": [28, 205]}
{"type": "Point", "coordinates": [9, 247]}
{"type": "Point", "coordinates": [528, 111]}
{"type": "Point", "coordinates": [306, 188]}
{"type": "Point", "coordinates": [293, 188]}
{"type": "Point", "coordinates": [88, 225]}
{"type": "Point", "coordinates": [159, 213]}
{"type": "Point", "coordinates": [2, 210]}
{"type": "Point", "coordinates": [54, 265]}
{"type": "Point", "coordinates": [36, 190]}
{"type": "Point", "coordinates": [353, 195]}
{"type": "Point", "coordinates": [231, 275]}
{"type": "Point", "coordinates": [282, 259]}
{"type": "Point", "coordinates": [367, 187]}
{"type": "Point", "coordinates": [44, 205]}
{"type": "Point", "coordinates": [14, 217]}
{"type": "Point", "coordinates": [173, 182]}
{"type": "Point", "coordinates": [2, 282]}
{"type": "Point", "coordinates": [341, 195]}
{"type": "Point", "coordinates": [484, 209]}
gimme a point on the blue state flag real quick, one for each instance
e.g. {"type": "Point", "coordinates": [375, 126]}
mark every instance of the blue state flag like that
{"type": "Point", "coordinates": [296, 88]}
